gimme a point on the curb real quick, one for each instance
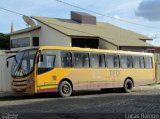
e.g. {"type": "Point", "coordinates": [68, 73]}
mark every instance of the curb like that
{"type": "Point", "coordinates": [147, 88]}
{"type": "Point", "coordinates": [5, 94]}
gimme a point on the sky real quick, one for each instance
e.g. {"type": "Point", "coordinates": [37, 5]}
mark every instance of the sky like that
{"type": "Point", "coordinates": [143, 12]}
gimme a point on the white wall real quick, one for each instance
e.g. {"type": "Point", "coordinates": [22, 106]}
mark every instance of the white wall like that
{"type": "Point", "coordinates": [105, 45]}
{"type": "Point", "coordinates": [22, 35]}
{"type": "Point", "coordinates": [5, 74]}
{"type": "Point", "coordinates": [49, 36]}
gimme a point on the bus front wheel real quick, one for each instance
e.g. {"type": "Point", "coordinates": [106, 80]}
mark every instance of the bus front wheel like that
{"type": "Point", "coordinates": [65, 89]}
{"type": "Point", "coordinates": [128, 86]}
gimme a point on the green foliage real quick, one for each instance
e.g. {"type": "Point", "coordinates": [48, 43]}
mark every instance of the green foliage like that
{"type": "Point", "coordinates": [4, 41]}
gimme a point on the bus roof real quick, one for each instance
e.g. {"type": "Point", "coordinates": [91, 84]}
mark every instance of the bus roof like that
{"type": "Point", "coordinates": [92, 50]}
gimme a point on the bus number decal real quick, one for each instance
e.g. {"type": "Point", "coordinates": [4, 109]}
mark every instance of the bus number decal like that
{"type": "Point", "coordinates": [114, 73]}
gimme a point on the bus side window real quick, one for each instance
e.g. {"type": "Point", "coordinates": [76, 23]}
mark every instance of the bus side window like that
{"type": "Point", "coordinates": [109, 61]}
{"type": "Point", "coordinates": [126, 61]}
{"type": "Point", "coordinates": [102, 61]}
{"type": "Point", "coordinates": [141, 62]}
{"type": "Point", "coordinates": [112, 61]}
{"type": "Point", "coordinates": [116, 61]}
{"type": "Point", "coordinates": [81, 60]}
{"type": "Point", "coordinates": [94, 58]}
{"type": "Point", "coordinates": [148, 62]}
{"type": "Point", "coordinates": [129, 62]}
{"type": "Point", "coordinates": [97, 60]}
{"type": "Point", "coordinates": [136, 61]}
{"type": "Point", "coordinates": [66, 58]}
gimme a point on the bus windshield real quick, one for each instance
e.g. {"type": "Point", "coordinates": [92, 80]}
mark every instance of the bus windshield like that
{"type": "Point", "coordinates": [23, 63]}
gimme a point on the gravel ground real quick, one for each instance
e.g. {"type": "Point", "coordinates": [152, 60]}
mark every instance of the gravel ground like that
{"type": "Point", "coordinates": [95, 104]}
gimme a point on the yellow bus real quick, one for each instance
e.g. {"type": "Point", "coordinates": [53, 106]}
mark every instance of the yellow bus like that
{"type": "Point", "coordinates": [67, 69]}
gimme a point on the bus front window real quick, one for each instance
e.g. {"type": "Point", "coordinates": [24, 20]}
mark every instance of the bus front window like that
{"type": "Point", "coordinates": [23, 63]}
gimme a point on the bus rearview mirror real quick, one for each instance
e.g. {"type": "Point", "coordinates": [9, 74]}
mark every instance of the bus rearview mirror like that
{"type": "Point", "coordinates": [7, 63]}
{"type": "Point", "coordinates": [7, 60]}
{"type": "Point", "coordinates": [41, 58]}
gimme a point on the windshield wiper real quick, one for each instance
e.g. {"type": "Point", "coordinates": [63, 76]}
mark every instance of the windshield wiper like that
{"type": "Point", "coordinates": [23, 71]}
{"type": "Point", "coordinates": [19, 65]}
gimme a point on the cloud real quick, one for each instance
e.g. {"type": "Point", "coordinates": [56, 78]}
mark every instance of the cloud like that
{"type": "Point", "coordinates": [116, 17]}
{"type": "Point", "coordinates": [153, 35]}
{"type": "Point", "coordinates": [149, 9]}
{"type": "Point", "coordinates": [154, 42]}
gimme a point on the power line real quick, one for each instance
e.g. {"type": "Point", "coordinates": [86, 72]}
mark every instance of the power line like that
{"type": "Point", "coordinates": [11, 11]}
{"type": "Point", "coordinates": [123, 20]}
{"type": "Point", "coordinates": [15, 12]}
{"type": "Point", "coordinates": [53, 23]}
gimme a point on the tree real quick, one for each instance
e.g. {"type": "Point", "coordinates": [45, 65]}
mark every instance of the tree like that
{"type": "Point", "coordinates": [4, 41]}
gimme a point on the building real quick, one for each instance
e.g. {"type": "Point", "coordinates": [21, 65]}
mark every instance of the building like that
{"type": "Point", "coordinates": [82, 30]}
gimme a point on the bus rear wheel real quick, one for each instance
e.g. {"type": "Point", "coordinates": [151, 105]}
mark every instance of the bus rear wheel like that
{"type": "Point", "coordinates": [128, 86]}
{"type": "Point", "coordinates": [65, 89]}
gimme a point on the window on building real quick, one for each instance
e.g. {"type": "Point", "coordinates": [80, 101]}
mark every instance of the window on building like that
{"type": "Point", "coordinates": [81, 60]}
{"type": "Point", "coordinates": [151, 50]}
{"type": "Point", "coordinates": [85, 42]}
{"type": "Point", "coordinates": [66, 59]}
{"type": "Point", "coordinates": [97, 60]}
{"type": "Point", "coordinates": [20, 42]}
{"type": "Point", "coordinates": [112, 61]}
{"type": "Point", "coordinates": [35, 41]}
{"type": "Point", "coordinates": [148, 62]}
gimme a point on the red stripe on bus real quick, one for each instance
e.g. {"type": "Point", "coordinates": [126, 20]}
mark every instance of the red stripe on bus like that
{"type": "Point", "coordinates": [47, 90]}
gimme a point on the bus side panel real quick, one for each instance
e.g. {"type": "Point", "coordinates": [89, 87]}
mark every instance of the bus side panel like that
{"type": "Point", "coordinates": [143, 76]}
{"type": "Point", "coordinates": [139, 76]}
{"type": "Point", "coordinates": [92, 79]}
{"type": "Point", "coordinates": [49, 81]}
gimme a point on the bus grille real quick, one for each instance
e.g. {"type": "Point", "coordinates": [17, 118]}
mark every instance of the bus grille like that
{"type": "Point", "coordinates": [19, 86]}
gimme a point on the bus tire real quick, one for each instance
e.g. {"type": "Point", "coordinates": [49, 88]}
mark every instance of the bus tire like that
{"type": "Point", "coordinates": [65, 89]}
{"type": "Point", "coordinates": [128, 86]}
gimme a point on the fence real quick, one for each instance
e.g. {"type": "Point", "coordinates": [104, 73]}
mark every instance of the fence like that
{"type": "Point", "coordinates": [5, 74]}
{"type": "Point", "coordinates": [157, 65]}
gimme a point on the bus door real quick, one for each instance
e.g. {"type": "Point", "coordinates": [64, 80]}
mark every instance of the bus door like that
{"type": "Point", "coordinates": [45, 72]}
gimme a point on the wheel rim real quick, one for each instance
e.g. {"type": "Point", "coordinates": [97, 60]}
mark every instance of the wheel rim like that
{"type": "Point", "coordinates": [66, 89]}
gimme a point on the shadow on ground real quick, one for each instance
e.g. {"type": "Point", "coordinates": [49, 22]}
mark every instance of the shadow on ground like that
{"type": "Point", "coordinates": [55, 95]}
